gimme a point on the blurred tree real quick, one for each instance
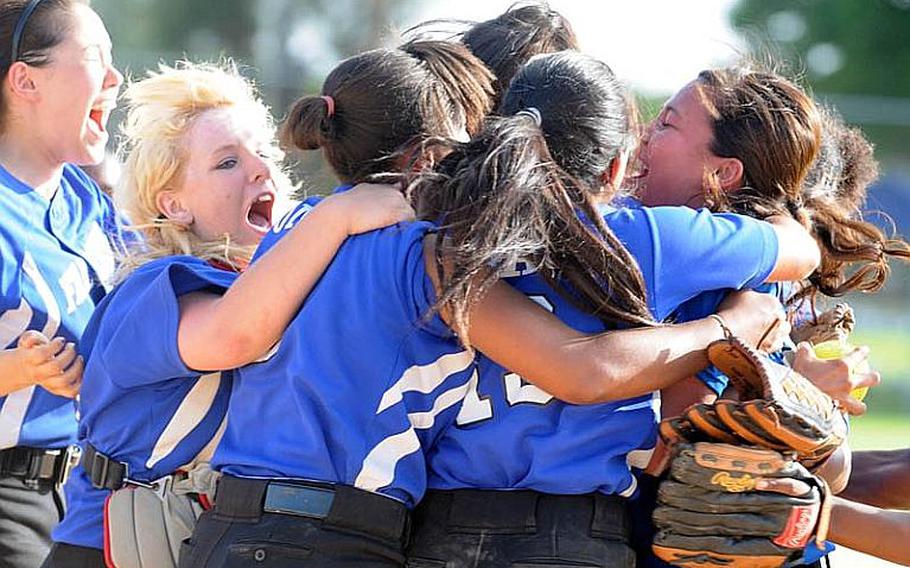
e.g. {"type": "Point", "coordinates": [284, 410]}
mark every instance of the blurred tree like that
{"type": "Point", "coordinates": [287, 46]}
{"type": "Point", "coordinates": [852, 53]}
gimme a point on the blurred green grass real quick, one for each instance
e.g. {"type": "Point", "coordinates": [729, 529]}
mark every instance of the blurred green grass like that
{"type": "Point", "coordinates": [886, 424]}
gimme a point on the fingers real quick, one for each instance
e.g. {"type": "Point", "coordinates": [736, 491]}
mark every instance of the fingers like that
{"type": "Point", "coordinates": [56, 364]}
{"type": "Point", "coordinates": [32, 338]}
{"type": "Point", "coordinates": [785, 485]}
{"type": "Point", "coordinates": [852, 406]}
{"type": "Point", "coordinates": [857, 356]}
{"type": "Point", "coordinates": [870, 379]}
{"type": "Point", "coordinates": [35, 357]}
{"type": "Point", "coordinates": [68, 382]}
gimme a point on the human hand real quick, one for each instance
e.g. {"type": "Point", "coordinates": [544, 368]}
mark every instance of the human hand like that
{"type": "Point", "coordinates": [50, 364]}
{"type": "Point", "coordinates": [756, 318]}
{"type": "Point", "coordinates": [837, 377]}
{"type": "Point", "coordinates": [373, 206]}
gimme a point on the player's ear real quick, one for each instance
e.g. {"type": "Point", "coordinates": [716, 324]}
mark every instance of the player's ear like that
{"type": "Point", "coordinates": [171, 206]}
{"type": "Point", "coordinates": [612, 177]}
{"type": "Point", "coordinates": [730, 173]}
{"type": "Point", "coordinates": [20, 82]}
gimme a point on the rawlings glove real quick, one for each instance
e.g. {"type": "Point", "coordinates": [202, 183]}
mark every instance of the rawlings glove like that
{"type": "Point", "coordinates": [711, 514]}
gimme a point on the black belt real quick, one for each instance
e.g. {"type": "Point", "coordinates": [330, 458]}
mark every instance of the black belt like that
{"type": "Point", "coordinates": [39, 468]}
{"type": "Point", "coordinates": [103, 471]}
{"type": "Point", "coordinates": [523, 511]}
{"type": "Point", "coordinates": [336, 506]}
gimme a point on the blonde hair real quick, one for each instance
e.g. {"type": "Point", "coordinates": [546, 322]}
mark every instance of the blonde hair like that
{"type": "Point", "coordinates": [161, 108]}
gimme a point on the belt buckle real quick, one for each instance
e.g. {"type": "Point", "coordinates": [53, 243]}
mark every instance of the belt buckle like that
{"type": "Point", "coordinates": [71, 458]}
{"type": "Point", "coordinates": [297, 500]}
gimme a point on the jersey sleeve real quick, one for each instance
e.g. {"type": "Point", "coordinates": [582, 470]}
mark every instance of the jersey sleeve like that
{"type": "Point", "coordinates": [416, 287]}
{"type": "Point", "coordinates": [287, 222]}
{"type": "Point", "coordinates": [136, 336]}
{"type": "Point", "coordinates": [696, 251]}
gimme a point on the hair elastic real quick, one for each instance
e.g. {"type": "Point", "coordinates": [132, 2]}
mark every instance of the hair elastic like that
{"type": "Point", "coordinates": [20, 27]}
{"type": "Point", "coordinates": [533, 113]}
{"type": "Point", "coordinates": [330, 105]}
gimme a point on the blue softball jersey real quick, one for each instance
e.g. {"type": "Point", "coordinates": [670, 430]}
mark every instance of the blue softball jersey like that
{"type": "Point", "coordinates": [56, 263]}
{"type": "Point", "coordinates": [362, 380]}
{"type": "Point", "coordinates": [140, 404]}
{"type": "Point", "coordinates": [511, 434]}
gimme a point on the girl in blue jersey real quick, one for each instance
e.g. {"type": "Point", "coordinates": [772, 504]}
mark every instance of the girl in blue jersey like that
{"type": "Point", "coordinates": [200, 182]}
{"type": "Point", "coordinates": [323, 452]}
{"type": "Point", "coordinates": [724, 142]}
{"type": "Point", "coordinates": [753, 142]}
{"type": "Point", "coordinates": [523, 478]}
{"type": "Point", "coordinates": [56, 260]}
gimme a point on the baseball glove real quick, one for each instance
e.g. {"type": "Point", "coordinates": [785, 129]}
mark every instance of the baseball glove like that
{"type": "Point", "coordinates": [711, 514]}
{"type": "Point", "coordinates": [779, 409]}
{"type": "Point", "coordinates": [836, 323]}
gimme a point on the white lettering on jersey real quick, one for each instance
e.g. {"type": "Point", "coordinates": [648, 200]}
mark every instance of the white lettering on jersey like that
{"type": "Point", "coordinates": [474, 409]}
{"type": "Point", "coordinates": [425, 378]}
{"type": "Point", "coordinates": [100, 255]}
{"type": "Point", "coordinates": [291, 218]}
{"type": "Point", "coordinates": [425, 420]}
{"type": "Point", "coordinates": [189, 414]}
{"type": "Point", "coordinates": [44, 291]}
{"type": "Point", "coordinates": [477, 408]}
{"type": "Point", "coordinates": [76, 285]}
{"type": "Point", "coordinates": [378, 468]}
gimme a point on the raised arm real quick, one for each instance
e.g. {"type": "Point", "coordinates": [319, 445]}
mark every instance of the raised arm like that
{"type": "Point", "coordinates": [223, 332]}
{"type": "Point", "coordinates": [798, 254]}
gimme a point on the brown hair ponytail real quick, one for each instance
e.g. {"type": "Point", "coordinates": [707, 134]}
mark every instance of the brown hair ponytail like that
{"type": "Point", "coordinates": [523, 191]}
{"type": "Point", "coordinates": [388, 100]}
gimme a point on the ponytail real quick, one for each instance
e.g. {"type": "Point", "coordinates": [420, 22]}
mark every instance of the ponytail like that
{"type": "Point", "coordinates": [308, 125]}
{"type": "Point", "coordinates": [502, 200]}
{"type": "Point", "coordinates": [379, 105]}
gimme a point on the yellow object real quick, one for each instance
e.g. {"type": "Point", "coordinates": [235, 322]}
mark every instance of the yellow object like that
{"type": "Point", "coordinates": [834, 349]}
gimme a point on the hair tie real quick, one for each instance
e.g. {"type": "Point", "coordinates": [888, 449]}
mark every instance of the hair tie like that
{"type": "Point", "coordinates": [533, 113]}
{"type": "Point", "coordinates": [20, 27]}
{"type": "Point", "coordinates": [329, 105]}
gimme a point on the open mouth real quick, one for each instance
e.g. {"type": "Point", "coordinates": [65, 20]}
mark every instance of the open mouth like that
{"type": "Point", "coordinates": [259, 215]}
{"type": "Point", "coordinates": [98, 116]}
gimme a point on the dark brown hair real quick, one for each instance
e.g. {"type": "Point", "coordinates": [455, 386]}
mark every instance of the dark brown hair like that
{"type": "Point", "coordinates": [509, 40]}
{"type": "Point", "coordinates": [523, 191]}
{"type": "Point", "coordinates": [802, 161]}
{"type": "Point", "coordinates": [45, 28]}
{"type": "Point", "coordinates": [387, 100]}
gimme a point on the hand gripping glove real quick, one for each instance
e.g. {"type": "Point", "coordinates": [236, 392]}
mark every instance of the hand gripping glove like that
{"type": "Point", "coordinates": [778, 408]}
{"type": "Point", "coordinates": [710, 514]}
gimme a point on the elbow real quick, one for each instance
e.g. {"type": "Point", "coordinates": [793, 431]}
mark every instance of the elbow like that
{"type": "Point", "coordinates": [813, 260]}
{"type": "Point", "coordinates": [594, 384]}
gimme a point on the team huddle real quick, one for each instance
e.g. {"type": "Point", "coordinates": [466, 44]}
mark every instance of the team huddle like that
{"type": "Point", "coordinates": [521, 324]}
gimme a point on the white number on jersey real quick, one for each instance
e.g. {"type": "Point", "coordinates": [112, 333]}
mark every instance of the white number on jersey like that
{"type": "Point", "coordinates": [477, 408]}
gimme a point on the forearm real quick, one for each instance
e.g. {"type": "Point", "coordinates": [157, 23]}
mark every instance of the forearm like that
{"type": "Point", "coordinates": [878, 532]}
{"type": "Point", "coordinates": [798, 254]}
{"type": "Point", "coordinates": [836, 469]}
{"type": "Point", "coordinates": [528, 340]}
{"type": "Point", "coordinates": [251, 316]}
{"type": "Point", "coordinates": [881, 479]}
